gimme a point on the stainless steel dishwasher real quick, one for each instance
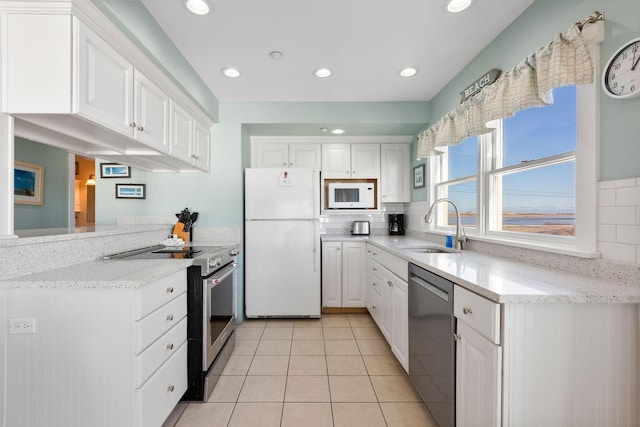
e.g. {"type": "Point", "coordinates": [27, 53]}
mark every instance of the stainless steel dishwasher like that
{"type": "Point", "coordinates": [432, 351]}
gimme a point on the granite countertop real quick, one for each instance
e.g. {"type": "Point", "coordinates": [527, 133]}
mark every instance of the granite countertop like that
{"type": "Point", "coordinates": [101, 274]}
{"type": "Point", "coordinates": [503, 280]}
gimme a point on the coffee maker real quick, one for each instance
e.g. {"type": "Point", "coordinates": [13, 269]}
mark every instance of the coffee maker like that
{"type": "Point", "coordinates": [396, 224]}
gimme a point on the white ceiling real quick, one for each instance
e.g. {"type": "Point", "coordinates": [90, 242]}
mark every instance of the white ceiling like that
{"type": "Point", "coordinates": [364, 42]}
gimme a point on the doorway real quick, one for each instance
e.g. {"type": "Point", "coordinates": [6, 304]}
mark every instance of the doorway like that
{"type": "Point", "coordinates": [85, 191]}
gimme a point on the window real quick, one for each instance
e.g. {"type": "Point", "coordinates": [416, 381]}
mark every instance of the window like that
{"type": "Point", "coordinates": [518, 182]}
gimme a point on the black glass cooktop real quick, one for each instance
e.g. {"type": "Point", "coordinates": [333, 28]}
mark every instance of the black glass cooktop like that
{"type": "Point", "coordinates": [166, 252]}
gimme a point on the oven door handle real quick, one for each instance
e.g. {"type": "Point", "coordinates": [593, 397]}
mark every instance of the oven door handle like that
{"type": "Point", "coordinates": [219, 276]}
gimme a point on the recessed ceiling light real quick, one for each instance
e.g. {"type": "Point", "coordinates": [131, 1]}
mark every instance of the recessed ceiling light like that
{"type": "Point", "coordinates": [198, 7]}
{"type": "Point", "coordinates": [337, 131]}
{"type": "Point", "coordinates": [276, 54]}
{"type": "Point", "coordinates": [408, 72]}
{"type": "Point", "coordinates": [322, 72]}
{"type": "Point", "coordinates": [230, 72]}
{"type": "Point", "coordinates": [455, 6]}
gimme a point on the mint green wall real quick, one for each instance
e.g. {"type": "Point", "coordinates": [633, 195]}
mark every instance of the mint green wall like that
{"type": "Point", "coordinates": [53, 211]}
{"type": "Point", "coordinates": [619, 124]}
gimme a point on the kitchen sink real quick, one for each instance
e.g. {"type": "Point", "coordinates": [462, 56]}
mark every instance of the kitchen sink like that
{"type": "Point", "coordinates": [428, 249]}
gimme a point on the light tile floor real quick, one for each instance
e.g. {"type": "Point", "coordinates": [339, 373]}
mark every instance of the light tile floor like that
{"type": "Point", "coordinates": [335, 371]}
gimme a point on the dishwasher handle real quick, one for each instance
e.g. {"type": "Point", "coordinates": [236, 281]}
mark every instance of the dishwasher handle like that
{"type": "Point", "coordinates": [429, 287]}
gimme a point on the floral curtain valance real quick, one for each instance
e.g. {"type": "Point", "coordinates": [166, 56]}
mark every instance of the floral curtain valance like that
{"type": "Point", "coordinates": [564, 61]}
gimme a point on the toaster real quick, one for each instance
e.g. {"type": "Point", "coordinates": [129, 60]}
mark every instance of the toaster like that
{"type": "Point", "coordinates": [360, 228]}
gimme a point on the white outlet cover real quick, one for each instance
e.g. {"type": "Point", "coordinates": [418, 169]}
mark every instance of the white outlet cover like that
{"type": "Point", "coordinates": [22, 326]}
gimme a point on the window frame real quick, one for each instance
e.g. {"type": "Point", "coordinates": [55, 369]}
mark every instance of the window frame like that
{"type": "Point", "coordinates": [584, 242]}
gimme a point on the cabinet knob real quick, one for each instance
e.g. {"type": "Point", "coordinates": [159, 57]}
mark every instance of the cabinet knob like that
{"type": "Point", "coordinates": [467, 310]}
{"type": "Point", "coordinates": [170, 290]}
{"type": "Point", "coordinates": [374, 284]}
{"type": "Point", "coordinates": [456, 337]}
{"type": "Point", "coordinates": [290, 164]}
{"type": "Point", "coordinates": [132, 124]}
{"type": "Point", "coordinates": [140, 128]}
{"type": "Point", "coordinates": [284, 164]}
{"type": "Point", "coordinates": [390, 283]}
{"type": "Point", "coordinates": [170, 317]}
{"type": "Point", "coordinates": [373, 307]}
{"type": "Point", "coordinates": [384, 195]}
{"type": "Point", "coordinates": [169, 346]}
{"type": "Point", "coordinates": [195, 156]}
{"type": "Point", "coordinates": [170, 388]}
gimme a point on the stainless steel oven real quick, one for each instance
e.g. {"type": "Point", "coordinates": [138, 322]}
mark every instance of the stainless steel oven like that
{"type": "Point", "coordinates": [211, 294]}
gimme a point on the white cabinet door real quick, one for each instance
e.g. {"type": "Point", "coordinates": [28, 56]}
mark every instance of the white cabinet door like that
{"type": "Point", "coordinates": [400, 322]}
{"type": "Point", "coordinates": [395, 179]}
{"type": "Point", "coordinates": [336, 160]}
{"type": "Point", "coordinates": [271, 155]}
{"type": "Point", "coordinates": [331, 274]}
{"type": "Point", "coordinates": [354, 258]}
{"type": "Point", "coordinates": [104, 83]}
{"type": "Point", "coordinates": [151, 114]}
{"type": "Point", "coordinates": [181, 132]}
{"type": "Point", "coordinates": [365, 160]}
{"type": "Point", "coordinates": [478, 379]}
{"type": "Point", "coordinates": [304, 156]}
{"type": "Point", "coordinates": [201, 146]}
{"type": "Point", "coordinates": [386, 325]}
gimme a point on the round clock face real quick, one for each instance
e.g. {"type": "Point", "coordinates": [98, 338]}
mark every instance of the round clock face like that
{"type": "Point", "coordinates": [621, 76]}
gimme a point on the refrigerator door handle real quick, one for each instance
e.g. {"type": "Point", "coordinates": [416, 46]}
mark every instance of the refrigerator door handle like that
{"type": "Point", "coordinates": [315, 245]}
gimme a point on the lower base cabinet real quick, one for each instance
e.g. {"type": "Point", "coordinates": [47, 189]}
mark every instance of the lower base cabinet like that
{"type": "Point", "coordinates": [343, 274]}
{"type": "Point", "coordinates": [99, 357]}
{"type": "Point", "coordinates": [388, 300]}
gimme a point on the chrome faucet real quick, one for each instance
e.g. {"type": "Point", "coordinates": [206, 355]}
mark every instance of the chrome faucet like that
{"type": "Point", "coordinates": [460, 239]}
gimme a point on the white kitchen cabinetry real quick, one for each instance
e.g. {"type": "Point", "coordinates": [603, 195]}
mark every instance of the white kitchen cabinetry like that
{"type": "Point", "coordinates": [388, 280]}
{"type": "Point", "coordinates": [351, 161]}
{"type": "Point", "coordinates": [103, 356]}
{"type": "Point", "coordinates": [277, 155]}
{"type": "Point", "coordinates": [114, 94]}
{"type": "Point", "coordinates": [201, 146]}
{"type": "Point", "coordinates": [478, 360]}
{"type": "Point", "coordinates": [94, 95]}
{"type": "Point", "coordinates": [395, 176]}
{"type": "Point", "coordinates": [343, 274]}
{"type": "Point", "coordinates": [181, 141]}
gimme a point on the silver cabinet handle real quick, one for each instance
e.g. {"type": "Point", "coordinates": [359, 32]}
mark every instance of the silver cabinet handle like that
{"type": "Point", "coordinates": [284, 164]}
{"type": "Point", "coordinates": [170, 388]}
{"type": "Point", "coordinates": [170, 290]}
{"type": "Point", "coordinates": [169, 346]}
{"type": "Point", "coordinates": [373, 307]}
{"type": "Point", "coordinates": [140, 128]}
{"type": "Point", "coordinates": [170, 317]}
{"type": "Point", "coordinates": [353, 172]}
{"type": "Point", "coordinates": [390, 283]}
{"type": "Point", "coordinates": [132, 124]}
{"type": "Point", "coordinates": [467, 310]}
{"type": "Point", "coordinates": [456, 337]}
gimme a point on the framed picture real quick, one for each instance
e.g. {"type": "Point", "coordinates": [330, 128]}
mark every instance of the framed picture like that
{"type": "Point", "coordinates": [28, 180]}
{"type": "Point", "coordinates": [114, 170]}
{"type": "Point", "coordinates": [131, 191]}
{"type": "Point", "coordinates": [418, 176]}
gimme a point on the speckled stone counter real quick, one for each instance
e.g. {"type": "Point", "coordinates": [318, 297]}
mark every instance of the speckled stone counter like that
{"type": "Point", "coordinates": [100, 274]}
{"type": "Point", "coordinates": [503, 280]}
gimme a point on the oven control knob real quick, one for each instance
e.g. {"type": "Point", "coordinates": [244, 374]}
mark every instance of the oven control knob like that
{"type": "Point", "coordinates": [234, 252]}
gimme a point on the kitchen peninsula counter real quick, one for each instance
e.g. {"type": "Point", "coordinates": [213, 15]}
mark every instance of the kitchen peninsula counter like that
{"type": "Point", "coordinates": [503, 280]}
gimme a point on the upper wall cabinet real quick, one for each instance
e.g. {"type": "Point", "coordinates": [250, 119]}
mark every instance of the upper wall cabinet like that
{"type": "Point", "coordinates": [351, 161]}
{"type": "Point", "coordinates": [74, 89]}
{"type": "Point", "coordinates": [112, 93]}
{"type": "Point", "coordinates": [395, 179]}
{"type": "Point", "coordinates": [277, 155]}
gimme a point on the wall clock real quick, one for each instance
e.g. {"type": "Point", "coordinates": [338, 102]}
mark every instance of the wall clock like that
{"type": "Point", "coordinates": [621, 76]}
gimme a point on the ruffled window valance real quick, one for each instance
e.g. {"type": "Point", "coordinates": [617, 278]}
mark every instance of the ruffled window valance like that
{"type": "Point", "coordinates": [565, 61]}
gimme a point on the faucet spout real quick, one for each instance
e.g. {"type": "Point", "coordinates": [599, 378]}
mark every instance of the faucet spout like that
{"type": "Point", "coordinates": [460, 239]}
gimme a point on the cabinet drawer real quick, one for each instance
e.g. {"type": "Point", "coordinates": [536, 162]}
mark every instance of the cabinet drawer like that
{"type": "Point", "coordinates": [374, 279]}
{"type": "Point", "coordinates": [383, 257]}
{"type": "Point", "coordinates": [374, 304]}
{"type": "Point", "coordinates": [158, 352]}
{"type": "Point", "coordinates": [157, 397]}
{"type": "Point", "coordinates": [157, 323]}
{"type": "Point", "coordinates": [478, 312]}
{"type": "Point", "coordinates": [159, 293]}
{"type": "Point", "coordinates": [401, 268]}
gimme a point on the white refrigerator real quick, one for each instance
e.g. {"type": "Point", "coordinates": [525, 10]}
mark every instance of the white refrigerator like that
{"type": "Point", "coordinates": [282, 242]}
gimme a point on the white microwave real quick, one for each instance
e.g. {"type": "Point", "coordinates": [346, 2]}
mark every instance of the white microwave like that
{"type": "Point", "coordinates": [351, 195]}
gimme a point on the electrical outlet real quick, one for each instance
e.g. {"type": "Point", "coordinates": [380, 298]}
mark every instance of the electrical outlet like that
{"type": "Point", "coordinates": [22, 326]}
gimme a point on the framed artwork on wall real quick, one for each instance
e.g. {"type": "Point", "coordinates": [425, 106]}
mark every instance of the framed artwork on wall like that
{"type": "Point", "coordinates": [114, 170]}
{"type": "Point", "coordinates": [131, 191]}
{"type": "Point", "coordinates": [28, 181]}
{"type": "Point", "coordinates": [418, 176]}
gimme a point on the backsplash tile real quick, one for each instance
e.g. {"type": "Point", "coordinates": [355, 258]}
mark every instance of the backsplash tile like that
{"type": "Point", "coordinates": [619, 220]}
